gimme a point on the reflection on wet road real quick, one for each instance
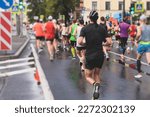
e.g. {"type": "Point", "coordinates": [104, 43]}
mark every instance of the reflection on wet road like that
{"type": "Point", "coordinates": [67, 82]}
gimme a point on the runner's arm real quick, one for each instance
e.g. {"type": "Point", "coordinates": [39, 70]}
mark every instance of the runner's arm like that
{"type": "Point", "coordinates": [108, 41]}
{"type": "Point", "coordinates": [139, 32]}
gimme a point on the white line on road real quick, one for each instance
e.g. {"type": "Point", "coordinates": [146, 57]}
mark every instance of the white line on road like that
{"type": "Point", "coordinates": [16, 60]}
{"type": "Point", "coordinates": [7, 74]}
{"type": "Point", "coordinates": [128, 58]}
{"type": "Point", "coordinates": [16, 65]}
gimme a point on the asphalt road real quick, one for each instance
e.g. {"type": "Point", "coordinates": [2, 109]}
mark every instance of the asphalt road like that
{"type": "Point", "coordinates": [67, 82]}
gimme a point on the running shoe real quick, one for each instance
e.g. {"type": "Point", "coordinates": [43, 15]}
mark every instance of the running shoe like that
{"type": "Point", "coordinates": [138, 76]}
{"type": "Point", "coordinates": [128, 50]}
{"type": "Point", "coordinates": [67, 48]}
{"type": "Point", "coordinates": [82, 68]}
{"type": "Point", "coordinates": [107, 57]}
{"type": "Point", "coordinates": [73, 58]}
{"type": "Point", "coordinates": [51, 58]}
{"type": "Point", "coordinates": [57, 51]}
{"type": "Point", "coordinates": [131, 49]}
{"type": "Point", "coordinates": [117, 46]}
{"type": "Point", "coordinates": [96, 91]}
{"type": "Point", "coordinates": [40, 50]}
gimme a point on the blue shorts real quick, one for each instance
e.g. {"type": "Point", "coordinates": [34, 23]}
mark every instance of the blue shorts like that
{"type": "Point", "coordinates": [143, 48]}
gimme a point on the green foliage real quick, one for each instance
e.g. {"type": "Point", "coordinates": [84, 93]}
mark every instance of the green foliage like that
{"type": "Point", "coordinates": [51, 7]}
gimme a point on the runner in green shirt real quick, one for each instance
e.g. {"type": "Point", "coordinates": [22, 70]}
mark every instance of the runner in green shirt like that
{"type": "Point", "coordinates": [73, 38]}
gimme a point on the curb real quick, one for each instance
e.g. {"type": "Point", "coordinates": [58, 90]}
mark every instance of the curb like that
{"type": "Point", "coordinates": [18, 51]}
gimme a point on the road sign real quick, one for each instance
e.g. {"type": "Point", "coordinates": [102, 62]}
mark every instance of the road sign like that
{"type": "Point", "coordinates": [6, 4]}
{"type": "Point", "coordinates": [15, 8]}
{"type": "Point", "coordinates": [139, 7]}
{"type": "Point", "coordinates": [5, 31]}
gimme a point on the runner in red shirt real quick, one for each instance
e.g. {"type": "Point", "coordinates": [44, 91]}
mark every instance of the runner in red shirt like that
{"type": "Point", "coordinates": [132, 34]}
{"type": "Point", "coordinates": [49, 36]}
{"type": "Point", "coordinates": [39, 31]}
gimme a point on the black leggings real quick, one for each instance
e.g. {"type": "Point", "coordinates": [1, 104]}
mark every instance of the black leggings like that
{"type": "Point", "coordinates": [123, 43]}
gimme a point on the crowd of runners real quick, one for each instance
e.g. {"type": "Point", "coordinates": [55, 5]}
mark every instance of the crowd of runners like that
{"type": "Point", "coordinates": [90, 42]}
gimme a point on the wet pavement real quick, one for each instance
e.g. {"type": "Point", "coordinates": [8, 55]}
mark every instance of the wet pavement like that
{"type": "Point", "coordinates": [67, 82]}
{"type": "Point", "coordinates": [20, 87]}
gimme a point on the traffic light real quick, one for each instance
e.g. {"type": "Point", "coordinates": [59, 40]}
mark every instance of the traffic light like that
{"type": "Point", "coordinates": [107, 17]}
{"type": "Point", "coordinates": [132, 8]}
{"type": "Point", "coordinates": [21, 4]}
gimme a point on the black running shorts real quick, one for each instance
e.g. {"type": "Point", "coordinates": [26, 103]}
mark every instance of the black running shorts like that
{"type": "Point", "coordinates": [50, 40]}
{"type": "Point", "coordinates": [80, 48]}
{"type": "Point", "coordinates": [96, 62]}
{"type": "Point", "coordinates": [39, 37]}
{"type": "Point", "coordinates": [42, 38]}
{"type": "Point", "coordinates": [73, 43]}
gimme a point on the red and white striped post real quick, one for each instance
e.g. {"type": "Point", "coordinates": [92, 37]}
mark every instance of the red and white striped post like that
{"type": "Point", "coordinates": [5, 31]}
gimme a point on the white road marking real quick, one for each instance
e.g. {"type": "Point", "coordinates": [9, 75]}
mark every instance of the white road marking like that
{"type": "Point", "coordinates": [128, 58]}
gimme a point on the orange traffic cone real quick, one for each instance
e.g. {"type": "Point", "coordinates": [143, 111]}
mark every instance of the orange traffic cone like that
{"type": "Point", "coordinates": [36, 77]}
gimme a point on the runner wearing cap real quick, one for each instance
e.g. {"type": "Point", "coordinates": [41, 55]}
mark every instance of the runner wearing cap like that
{"type": "Point", "coordinates": [94, 35]}
{"type": "Point", "coordinates": [49, 36]}
{"type": "Point", "coordinates": [39, 32]}
{"type": "Point", "coordinates": [143, 39]}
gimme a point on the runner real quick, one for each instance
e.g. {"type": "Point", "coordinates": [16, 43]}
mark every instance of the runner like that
{"type": "Point", "coordinates": [72, 31]}
{"type": "Point", "coordinates": [80, 48]}
{"type": "Point", "coordinates": [132, 34]}
{"type": "Point", "coordinates": [43, 36]}
{"type": "Point", "coordinates": [106, 27]}
{"type": "Point", "coordinates": [117, 34]}
{"type": "Point", "coordinates": [57, 28]}
{"type": "Point", "coordinates": [124, 28]}
{"type": "Point", "coordinates": [49, 36]}
{"type": "Point", "coordinates": [94, 35]}
{"type": "Point", "coordinates": [38, 29]}
{"type": "Point", "coordinates": [143, 37]}
{"type": "Point", "coordinates": [64, 36]}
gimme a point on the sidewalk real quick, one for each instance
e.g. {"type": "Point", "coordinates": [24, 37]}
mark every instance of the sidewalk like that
{"type": "Point", "coordinates": [21, 86]}
{"type": "Point", "coordinates": [18, 44]}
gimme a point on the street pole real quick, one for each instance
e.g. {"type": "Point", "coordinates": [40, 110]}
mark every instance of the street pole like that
{"type": "Point", "coordinates": [21, 24]}
{"type": "Point", "coordinates": [18, 24]}
{"type": "Point", "coordinates": [124, 8]}
{"type": "Point", "coordinates": [131, 16]}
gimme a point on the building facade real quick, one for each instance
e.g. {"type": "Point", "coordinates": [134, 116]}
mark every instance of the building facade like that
{"type": "Point", "coordinates": [110, 7]}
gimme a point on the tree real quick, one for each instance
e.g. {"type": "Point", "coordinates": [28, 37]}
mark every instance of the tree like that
{"type": "Point", "coordinates": [36, 8]}
{"type": "Point", "coordinates": [51, 7]}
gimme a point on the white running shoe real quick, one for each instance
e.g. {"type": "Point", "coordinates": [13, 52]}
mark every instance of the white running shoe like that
{"type": "Point", "coordinates": [138, 76]}
{"type": "Point", "coordinates": [128, 50]}
{"type": "Point", "coordinates": [51, 58]}
{"type": "Point", "coordinates": [40, 50]}
{"type": "Point", "coordinates": [117, 47]}
{"type": "Point", "coordinates": [131, 49]}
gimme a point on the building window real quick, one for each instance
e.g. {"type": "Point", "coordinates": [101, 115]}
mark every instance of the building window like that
{"type": "Point", "coordinates": [148, 5]}
{"type": "Point", "coordinates": [120, 5]}
{"type": "Point", "coordinates": [94, 5]}
{"type": "Point", "coordinates": [107, 5]}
